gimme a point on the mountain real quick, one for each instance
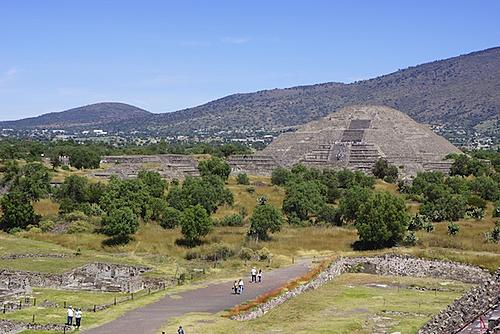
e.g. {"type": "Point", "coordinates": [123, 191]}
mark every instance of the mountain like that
{"type": "Point", "coordinates": [463, 90]}
{"type": "Point", "coordinates": [104, 114]}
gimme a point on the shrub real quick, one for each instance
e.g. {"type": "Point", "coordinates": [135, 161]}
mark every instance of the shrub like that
{"type": "Point", "coordinates": [35, 229]}
{"type": "Point", "coordinates": [242, 178]}
{"type": "Point", "coordinates": [75, 216]}
{"type": "Point", "coordinates": [46, 225]}
{"type": "Point", "coordinates": [410, 239]}
{"type": "Point", "coordinates": [232, 220]}
{"type": "Point", "coordinates": [65, 167]}
{"type": "Point", "coordinates": [494, 235]}
{"type": "Point", "coordinates": [215, 252]}
{"type": "Point", "coordinates": [80, 226]}
{"type": "Point", "coordinates": [496, 209]}
{"type": "Point", "coordinates": [246, 253]}
{"type": "Point", "coordinates": [453, 228]}
{"type": "Point", "coordinates": [264, 254]}
{"type": "Point", "coordinates": [250, 190]}
{"type": "Point", "coordinates": [417, 222]}
{"type": "Point", "coordinates": [262, 200]}
{"type": "Point", "coordinates": [428, 227]}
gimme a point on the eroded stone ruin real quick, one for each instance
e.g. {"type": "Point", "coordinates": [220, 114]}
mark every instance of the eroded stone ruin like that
{"type": "Point", "coordinates": [90, 277]}
{"type": "Point", "coordinates": [355, 138]}
{"type": "Point", "coordinates": [171, 166]}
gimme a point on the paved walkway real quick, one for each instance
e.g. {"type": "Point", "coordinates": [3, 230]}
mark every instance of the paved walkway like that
{"type": "Point", "coordinates": [212, 298]}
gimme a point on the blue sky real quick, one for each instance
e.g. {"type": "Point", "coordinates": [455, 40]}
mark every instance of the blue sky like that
{"type": "Point", "coordinates": [168, 55]}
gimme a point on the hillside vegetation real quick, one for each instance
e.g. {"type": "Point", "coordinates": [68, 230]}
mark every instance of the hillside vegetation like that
{"type": "Point", "coordinates": [460, 91]}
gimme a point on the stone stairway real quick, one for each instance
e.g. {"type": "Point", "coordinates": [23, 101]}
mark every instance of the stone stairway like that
{"type": "Point", "coordinates": [362, 156]}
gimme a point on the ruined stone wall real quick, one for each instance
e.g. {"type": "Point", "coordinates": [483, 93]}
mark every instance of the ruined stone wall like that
{"type": "Point", "coordinates": [92, 277]}
{"type": "Point", "coordinates": [392, 264]}
{"type": "Point", "coordinates": [464, 310]}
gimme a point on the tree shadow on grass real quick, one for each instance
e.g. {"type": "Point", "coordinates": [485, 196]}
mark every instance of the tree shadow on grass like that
{"type": "Point", "coordinates": [188, 243]}
{"type": "Point", "coordinates": [364, 246]}
{"type": "Point", "coordinates": [117, 241]}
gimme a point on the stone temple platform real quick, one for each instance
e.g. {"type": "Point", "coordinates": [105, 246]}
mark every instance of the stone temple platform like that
{"type": "Point", "coordinates": [354, 137]}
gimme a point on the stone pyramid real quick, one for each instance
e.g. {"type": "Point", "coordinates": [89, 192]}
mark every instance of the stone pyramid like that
{"type": "Point", "coordinates": [354, 137]}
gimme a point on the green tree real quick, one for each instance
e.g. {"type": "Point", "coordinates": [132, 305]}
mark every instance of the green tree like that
{"type": "Point", "coordinates": [385, 171]}
{"type": "Point", "coordinates": [486, 187]}
{"type": "Point", "coordinates": [84, 157]}
{"type": "Point", "coordinates": [208, 191]}
{"type": "Point", "coordinates": [465, 166]}
{"type": "Point", "coordinates": [120, 223]}
{"type": "Point", "coordinates": [155, 184]}
{"type": "Point", "coordinates": [74, 188]}
{"type": "Point", "coordinates": [242, 178]}
{"type": "Point", "coordinates": [330, 215]}
{"type": "Point", "coordinates": [215, 166]}
{"type": "Point", "coordinates": [382, 220]}
{"type": "Point", "coordinates": [304, 198]}
{"type": "Point", "coordinates": [55, 161]}
{"type": "Point", "coordinates": [265, 219]}
{"type": "Point", "coordinates": [446, 207]}
{"type": "Point", "coordinates": [166, 216]}
{"type": "Point", "coordinates": [195, 223]}
{"type": "Point", "coordinates": [17, 211]}
{"type": "Point", "coordinates": [130, 193]}
{"type": "Point", "coordinates": [351, 202]}
{"type": "Point", "coordinates": [280, 176]}
{"type": "Point", "coordinates": [34, 181]}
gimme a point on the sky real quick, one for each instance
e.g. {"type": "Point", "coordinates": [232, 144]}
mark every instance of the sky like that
{"type": "Point", "coordinates": [168, 55]}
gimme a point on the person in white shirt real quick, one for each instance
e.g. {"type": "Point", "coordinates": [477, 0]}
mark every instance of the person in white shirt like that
{"type": "Point", "coordinates": [78, 317]}
{"type": "Point", "coordinates": [240, 284]}
{"type": "Point", "coordinates": [70, 316]}
{"type": "Point", "coordinates": [254, 275]}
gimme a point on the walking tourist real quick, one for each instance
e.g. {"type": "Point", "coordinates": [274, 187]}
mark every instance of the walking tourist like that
{"type": "Point", "coordinates": [180, 330]}
{"type": "Point", "coordinates": [254, 275]}
{"type": "Point", "coordinates": [78, 317]}
{"type": "Point", "coordinates": [259, 276]}
{"type": "Point", "coordinates": [240, 285]}
{"type": "Point", "coordinates": [235, 288]}
{"type": "Point", "coordinates": [70, 316]}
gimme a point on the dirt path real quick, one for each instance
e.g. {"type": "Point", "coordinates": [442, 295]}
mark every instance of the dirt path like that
{"type": "Point", "coordinates": [212, 298]}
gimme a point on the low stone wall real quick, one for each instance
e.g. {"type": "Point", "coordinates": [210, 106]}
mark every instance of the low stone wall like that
{"type": "Point", "coordinates": [14, 327]}
{"type": "Point", "coordinates": [32, 256]}
{"type": "Point", "coordinates": [466, 309]}
{"type": "Point", "coordinates": [393, 264]}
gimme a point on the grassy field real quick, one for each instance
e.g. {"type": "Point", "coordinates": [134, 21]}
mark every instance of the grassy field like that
{"type": "Point", "coordinates": [352, 303]}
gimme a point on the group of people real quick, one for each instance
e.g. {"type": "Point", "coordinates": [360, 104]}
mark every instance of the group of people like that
{"type": "Point", "coordinates": [74, 313]}
{"type": "Point", "coordinates": [256, 277]}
